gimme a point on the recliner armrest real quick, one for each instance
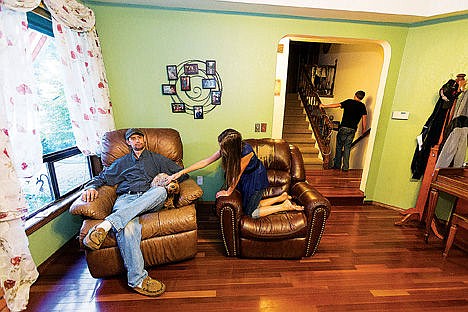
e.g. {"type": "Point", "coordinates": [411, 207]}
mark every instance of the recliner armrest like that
{"type": "Point", "coordinates": [190, 191]}
{"type": "Point", "coordinates": [234, 201]}
{"type": "Point", "coordinates": [306, 195]}
{"type": "Point", "coordinates": [99, 208]}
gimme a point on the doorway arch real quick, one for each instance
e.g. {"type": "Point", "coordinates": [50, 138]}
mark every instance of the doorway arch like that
{"type": "Point", "coordinates": [376, 97]}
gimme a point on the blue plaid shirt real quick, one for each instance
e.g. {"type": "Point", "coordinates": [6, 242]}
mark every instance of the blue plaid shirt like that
{"type": "Point", "coordinates": [135, 175]}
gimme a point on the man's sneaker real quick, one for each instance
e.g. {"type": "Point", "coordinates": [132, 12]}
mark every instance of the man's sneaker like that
{"type": "Point", "coordinates": [95, 237]}
{"type": "Point", "coordinates": [151, 287]}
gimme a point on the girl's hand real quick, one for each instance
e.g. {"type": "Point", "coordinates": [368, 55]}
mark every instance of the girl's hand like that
{"type": "Point", "coordinates": [175, 176]}
{"type": "Point", "coordinates": [222, 193]}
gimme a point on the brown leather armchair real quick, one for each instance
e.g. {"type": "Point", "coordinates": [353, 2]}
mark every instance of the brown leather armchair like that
{"type": "Point", "coordinates": [168, 235]}
{"type": "Point", "coordinates": [292, 234]}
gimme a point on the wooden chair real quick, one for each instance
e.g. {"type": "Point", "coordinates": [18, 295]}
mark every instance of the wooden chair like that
{"type": "Point", "coordinates": [458, 219]}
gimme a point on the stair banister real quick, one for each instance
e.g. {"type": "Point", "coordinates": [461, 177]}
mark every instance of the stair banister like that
{"type": "Point", "coordinates": [320, 122]}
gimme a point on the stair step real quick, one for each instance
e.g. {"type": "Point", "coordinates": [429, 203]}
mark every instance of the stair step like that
{"type": "Point", "coordinates": [300, 140]}
{"type": "Point", "coordinates": [313, 166]}
{"type": "Point", "coordinates": [290, 129]}
{"type": "Point", "coordinates": [307, 148]}
{"type": "Point", "coordinates": [297, 121]}
{"type": "Point", "coordinates": [312, 160]}
{"type": "Point", "coordinates": [293, 104]}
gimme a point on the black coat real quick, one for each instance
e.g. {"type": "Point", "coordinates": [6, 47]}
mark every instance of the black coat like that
{"type": "Point", "coordinates": [433, 127]}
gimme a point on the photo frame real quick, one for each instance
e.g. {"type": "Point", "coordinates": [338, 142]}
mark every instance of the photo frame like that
{"type": "Point", "coordinates": [191, 69]}
{"type": "Point", "coordinates": [216, 97]}
{"type": "Point", "coordinates": [168, 89]}
{"type": "Point", "coordinates": [185, 83]}
{"type": "Point", "coordinates": [210, 67]}
{"type": "Point", "coordinates": [178, 107]}
{"type": "Point", "coordinates": [198, 112]}
{"type": "Point", "coordinates": [208, 83]}
{"type": "Point", "coordinates": [171, 72]}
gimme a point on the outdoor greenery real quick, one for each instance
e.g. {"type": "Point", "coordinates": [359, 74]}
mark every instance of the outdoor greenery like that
{"type": "Point", "coordinates": [56, 132]}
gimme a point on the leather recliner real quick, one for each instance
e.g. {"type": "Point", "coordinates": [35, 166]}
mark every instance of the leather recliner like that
{"type": "Point", "coordinates": [287, 235]}
{"type": "Point", "coordinates": [167, 235]}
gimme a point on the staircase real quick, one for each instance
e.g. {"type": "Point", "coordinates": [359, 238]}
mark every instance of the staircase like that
{"type": "Point", "coordinates": [296, 130]}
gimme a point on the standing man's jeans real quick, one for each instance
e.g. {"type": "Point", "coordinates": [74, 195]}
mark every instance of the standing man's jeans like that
{"type": "Point", "coordinates": [344, 139]}
{"type": "Point", "coordinates": [124, 219]}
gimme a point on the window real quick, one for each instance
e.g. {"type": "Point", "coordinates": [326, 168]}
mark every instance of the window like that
{"type": "Point", "coordinates": [64, 169]}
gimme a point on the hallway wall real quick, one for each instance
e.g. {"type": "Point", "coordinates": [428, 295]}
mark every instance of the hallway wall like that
{"type": "Point", "coordinates": [359, 68]}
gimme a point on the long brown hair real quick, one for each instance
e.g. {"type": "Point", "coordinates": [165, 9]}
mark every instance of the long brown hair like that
{"type": "Point", "coordinates": [230, 144]}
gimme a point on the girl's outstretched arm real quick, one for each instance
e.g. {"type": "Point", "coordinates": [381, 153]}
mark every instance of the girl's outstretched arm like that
{"type": "Point", "coordinates": [198, 165]}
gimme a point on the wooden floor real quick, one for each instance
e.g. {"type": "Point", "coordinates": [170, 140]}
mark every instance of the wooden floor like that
{"type": "Point", "coordinates": [364, 263]}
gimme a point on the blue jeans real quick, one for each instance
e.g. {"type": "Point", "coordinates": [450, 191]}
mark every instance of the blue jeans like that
{"type": "Point", "coordinates": [124, 220]}
{"type": "Point", "coordinates": [344, 139]}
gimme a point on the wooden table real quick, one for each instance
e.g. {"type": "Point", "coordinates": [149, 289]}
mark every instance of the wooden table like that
{"type": "Point", "coordinates": [453, 181]}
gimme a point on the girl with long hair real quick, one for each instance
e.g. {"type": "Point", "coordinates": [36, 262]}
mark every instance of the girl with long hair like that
{"type": "Point", "coordinates": [244, 171]}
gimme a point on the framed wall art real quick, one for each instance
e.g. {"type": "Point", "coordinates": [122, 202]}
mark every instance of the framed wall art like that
{"type": "Point", "coordinates": [194, 86]}
{"type": "Point", "coordinates": [171, 72]}
{"type": "Point", "coordinates": [198, 112]}
{"type": "Point", "coordinates": [169, 89]}
{"type": "Point", "coordinates": [210, 67]}
{"type": "Point", "coordinates": [191, 69]}
{"type": "Point", "coordinates": [178, 107]}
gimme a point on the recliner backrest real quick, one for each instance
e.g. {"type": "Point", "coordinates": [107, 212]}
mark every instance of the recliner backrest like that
{"type": "Point", "coordinates": [164, 141]}
{"type": "Point", "coordinates": [275, 155]}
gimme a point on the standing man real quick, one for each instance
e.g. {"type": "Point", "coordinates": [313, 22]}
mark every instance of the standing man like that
{"type": "Point", "coordinates": [133, 174]}
{"type": "Point", "coordinates": [353, 111]}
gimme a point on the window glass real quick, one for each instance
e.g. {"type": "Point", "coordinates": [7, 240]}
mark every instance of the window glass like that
{"type": "Point", "coordinates": [56, 131]}
{"type": "Point", "coordinates": [71, 172]}
{"type": "Point", "coordinates": [37, 190]}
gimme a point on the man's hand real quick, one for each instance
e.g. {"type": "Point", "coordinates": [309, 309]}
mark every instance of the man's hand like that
{"type": "Point", "coordinates": [89, 195]}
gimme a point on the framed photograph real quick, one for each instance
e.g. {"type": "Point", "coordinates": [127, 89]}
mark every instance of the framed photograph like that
{"type": "Point", "coordinates": [208, 83]}
{"type": "Point", "coordinates": [169, 89]}
{"type": "Point", "coordinates": [171, 72]}
{"type": "Point", "coordinates": [198, 112]}
{"type": "Point", "coordinates": [185, 83]}
{"type": "Point", "coordinates": [210, 67]}
{"type": "Point", "coordinates": [191, 69]}
{"type": "Point", "coordinates": [178, 107]}
{"type": "Point", "coordinates": [216, 97]}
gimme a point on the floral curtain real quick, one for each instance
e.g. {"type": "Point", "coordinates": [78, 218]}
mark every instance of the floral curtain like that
{"type": "Point", "coordinates": [86, 86]}
{"type": "Point", "coordinates": [20, 148]}
{"type": "Point", "coordinates": [18, 103]}
{"type": "Point", "coordinates": [17, 268]}
{"type": "Point", "coordinates": [19, 141]}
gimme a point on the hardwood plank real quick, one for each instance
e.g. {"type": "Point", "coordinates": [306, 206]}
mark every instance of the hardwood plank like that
{"type": "Point", "coordinates": [363, 263]}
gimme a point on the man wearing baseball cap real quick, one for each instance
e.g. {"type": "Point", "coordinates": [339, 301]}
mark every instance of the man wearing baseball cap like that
{"type": "Point", "coordinates": [132, 174]}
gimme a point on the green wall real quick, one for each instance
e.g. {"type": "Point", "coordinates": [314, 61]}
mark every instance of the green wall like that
{"type": "Point", "coordinates": [138, 43]}
{"type": "Point", "coordinates": [433, 54]}
{"type": "Point", "coordinates": [44, 242]}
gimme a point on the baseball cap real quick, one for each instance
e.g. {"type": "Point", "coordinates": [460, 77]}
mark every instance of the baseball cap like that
{"type": "Point", "coordinates": [133, 131]}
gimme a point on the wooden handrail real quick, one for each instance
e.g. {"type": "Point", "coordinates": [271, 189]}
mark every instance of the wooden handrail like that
{"type": "Point", "coordinates": [320, 122]}
{"type": "Point", "coordinates": [362, 136]}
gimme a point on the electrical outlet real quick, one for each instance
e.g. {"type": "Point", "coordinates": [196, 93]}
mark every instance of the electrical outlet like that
{"type": "Point", "coordinates": [257, 127]}
{"type": "Point", "coordinates": [200, 180]}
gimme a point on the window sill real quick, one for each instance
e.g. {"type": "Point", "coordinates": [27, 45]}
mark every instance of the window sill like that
{"type": "Point", "coordinates": [35, 223]}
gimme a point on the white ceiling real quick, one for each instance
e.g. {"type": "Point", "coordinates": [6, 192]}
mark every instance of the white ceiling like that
{"type": "Point", "coordinates": [394, 11]}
